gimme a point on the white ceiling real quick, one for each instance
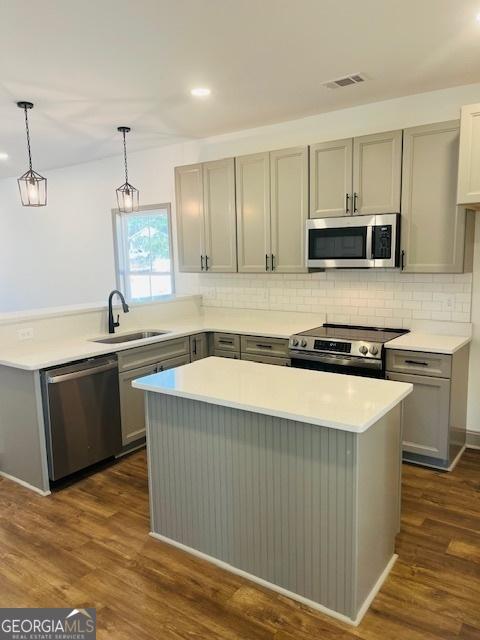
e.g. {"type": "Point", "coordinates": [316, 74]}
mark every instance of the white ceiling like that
{"type": "Point", "coordinates": [95, 64]}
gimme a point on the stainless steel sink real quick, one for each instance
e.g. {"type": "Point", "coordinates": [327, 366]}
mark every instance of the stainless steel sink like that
{"type": "Point", "coordinates": [131, 337]}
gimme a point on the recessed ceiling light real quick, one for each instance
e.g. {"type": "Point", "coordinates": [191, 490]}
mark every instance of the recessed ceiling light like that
{"type": "Point", "coordinates": [477, 17]}
{"type": "Point", "coordinates": [200, 92]}
{"type": "Point", "coordinates": [3, 156]}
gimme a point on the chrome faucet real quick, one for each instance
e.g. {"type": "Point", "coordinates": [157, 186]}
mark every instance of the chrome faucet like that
{"type": "Point", "coordinates": [111, 322]}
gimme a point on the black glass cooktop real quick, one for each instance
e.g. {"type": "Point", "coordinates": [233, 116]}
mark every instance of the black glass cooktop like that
{"type": "Point", "coordinates": [348, 332]}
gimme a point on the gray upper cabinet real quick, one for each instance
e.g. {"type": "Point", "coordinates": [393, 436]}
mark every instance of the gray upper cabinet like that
{"type": "Point", "coordinates": [205, 199]}
{"type": "Point", "coordinates": [433, 226]}
{"type": "Point", "coordinates": [331, 178]}
{"type": "Point", "coordinates": [219, 210]}
{"type": "Point", "coordinates": [289, 209]}
{"type": "Point", "coordinates": [190, 219]}
{"type": "Point", "coordinates": [253, 212]}
{"type": "Point", "coordinates": [469, 157]}
{"type": "Point", "coordinates": [359, 176]}
{"type": "Point", "coordinates": [377, 173]}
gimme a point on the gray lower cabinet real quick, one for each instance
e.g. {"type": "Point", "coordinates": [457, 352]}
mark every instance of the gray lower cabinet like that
{"type": "Point", "coordinates": [434, 415]}
{"type": "Point", "coordinates": [281, 362]}
{"type": "Point", "coordinates": [139, 362]}
{"type": "Point", "coordinates": [219, 353]}
{"type": "Point", "coordinates": [198, 346]}
{"type": "Point", "coordinates": [425, 417]}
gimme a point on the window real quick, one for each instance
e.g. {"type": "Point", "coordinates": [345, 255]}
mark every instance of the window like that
{"type": "Point", "coordinates": [143, 253]}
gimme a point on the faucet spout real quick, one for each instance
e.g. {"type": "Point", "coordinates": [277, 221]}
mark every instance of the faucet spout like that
{"type": "Point", "coordinates": [111, 322]}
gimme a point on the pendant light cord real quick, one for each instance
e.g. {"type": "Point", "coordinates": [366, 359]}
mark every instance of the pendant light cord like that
{"type": "Point", "coordinates": [125, 157]}
{"type": "Point", "coordinates": [28, 139]}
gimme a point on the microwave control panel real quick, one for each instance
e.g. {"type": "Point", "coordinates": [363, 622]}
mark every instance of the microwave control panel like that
{"type": "Point", "coordinates": [382, 241]}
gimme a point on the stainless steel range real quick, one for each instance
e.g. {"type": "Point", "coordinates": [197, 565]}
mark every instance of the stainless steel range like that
{"type": "Point", "coordinates": [342, 348]}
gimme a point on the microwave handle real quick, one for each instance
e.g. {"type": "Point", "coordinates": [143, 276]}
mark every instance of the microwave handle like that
{"type": "Point", "coordinates": [370, 255]}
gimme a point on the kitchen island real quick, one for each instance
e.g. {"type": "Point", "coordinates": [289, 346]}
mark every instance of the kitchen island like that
{"type": "Point", "coordinates": [288, 477]}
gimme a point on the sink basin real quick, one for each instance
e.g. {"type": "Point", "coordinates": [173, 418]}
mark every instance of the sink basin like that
{"type": "Point", "coordinates": [130, 337]}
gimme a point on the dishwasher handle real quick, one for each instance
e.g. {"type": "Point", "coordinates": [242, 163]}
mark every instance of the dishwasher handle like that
{"type": "Point", "coordinates": [81, 373]}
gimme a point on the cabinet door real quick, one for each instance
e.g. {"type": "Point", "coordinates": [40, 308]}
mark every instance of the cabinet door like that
{"type": "Point", "coordinates": [289, 209]}
{"type": "Point", "coordinates": [171, 363]}
{"type": "Point", "coordinates": [190, 222]}
{"type": "Point", "coordinates": [433, 227]}
{"type": "Point", "coordinates": [377, 173]}
{"type": "Point", "coordinates": [469, 157]}
{"type": "Point", "coordinates": [425, 415]}
{"type": "Point", "coordinates": [331, 178]}
{"type": "Point", "coordinates": [219, 211]}
{"type": "Point", "coordinates": [132, 404]}
{"type": "Point", "coordinates": [198, 346]}
{"type": "Point", "coordinates": [252, 177]}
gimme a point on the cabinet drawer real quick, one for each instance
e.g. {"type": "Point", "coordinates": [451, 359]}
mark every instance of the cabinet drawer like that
{"type": "Point", "coordinates": [219, 353]}
{"type": "Point", "coordinates": [173, 362]}
{"type": "Point", "coordinates": [226, 341]}
{"type": "Point", "coordinates": [256, 345]}
{"type": "Point", "coordinates": [438, 365]}
{"type": "Point", "coordinates": [152, 353]}
{"type": "Point", "coordinates": [282, 362]}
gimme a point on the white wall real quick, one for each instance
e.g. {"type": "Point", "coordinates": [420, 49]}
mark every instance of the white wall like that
{"type": "Point", "coordinates": [63, 254]}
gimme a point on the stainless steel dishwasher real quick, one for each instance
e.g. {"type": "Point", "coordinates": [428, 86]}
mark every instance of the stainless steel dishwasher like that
{"type": "Point", "coordinates": [82, 414]}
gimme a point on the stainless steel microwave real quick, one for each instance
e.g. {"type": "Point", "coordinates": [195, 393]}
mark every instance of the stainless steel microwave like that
{"type": "Point", "coordinates": [354, 242]}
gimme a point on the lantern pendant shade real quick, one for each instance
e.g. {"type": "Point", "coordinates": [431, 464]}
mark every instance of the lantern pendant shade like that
{"type": "Point", "coordinates": [32, 186]}
{"type": "Point", "coordinates": [127, 198]}
{"type": "Point", "coordinates": [127, 195]}
{"type": "Point", "coordinates": [33, 189]}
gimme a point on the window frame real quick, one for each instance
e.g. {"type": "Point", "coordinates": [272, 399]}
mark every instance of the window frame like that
{"type": "Point", "coordinates": [120, 271]}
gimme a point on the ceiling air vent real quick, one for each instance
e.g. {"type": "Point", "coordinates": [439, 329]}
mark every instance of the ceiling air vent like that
{"type": "Point", "coordinates": [355, 78]}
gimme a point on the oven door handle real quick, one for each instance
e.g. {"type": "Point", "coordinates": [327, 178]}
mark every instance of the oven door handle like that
{"type": "Point", "coordinates": [348, 361]}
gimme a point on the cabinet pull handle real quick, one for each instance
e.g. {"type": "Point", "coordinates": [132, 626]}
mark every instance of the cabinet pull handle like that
{"type": "Point", "coordinates": [402, 262]}
{"type": "Point", "coordinates": [347, 198]}
{"type": "Point", "coordinates": [201, 263]}
{"type": "Point", "coordinates": [194, 347]}
{"type": "Point", "coordinates": [206, 263]}
{"type": "Point", "coordinates": [263, 346]}
{"type": "Point", "coordinates": [266, 262]}
{"type": "Point", "coordinates": [355, 197]}
{"type": "Point", "coordinates": [225, 341]}
{"type": "Point", "coordinates": [417, 362]}
{"type": "Point", "coordinates": [273, 262]}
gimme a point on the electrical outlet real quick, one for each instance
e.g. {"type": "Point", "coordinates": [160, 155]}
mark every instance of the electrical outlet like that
{"type": "Point", "coordinates": [26, 333]}
{"type": "Point", "coordinates": [449, 303]}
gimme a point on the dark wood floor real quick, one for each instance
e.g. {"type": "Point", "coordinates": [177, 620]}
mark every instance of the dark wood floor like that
{"type": "Point", "coordinates": [88, 545]}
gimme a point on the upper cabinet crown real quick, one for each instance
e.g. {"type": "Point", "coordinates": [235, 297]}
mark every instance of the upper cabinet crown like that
{"type": "Point", "coordinates": [359, 176]}
{"type": "Point", "coordinates": [272, 207]}
{"type": "Point", "coordinates": [469, 157]}
{"type": "Point", "coordinates": [205, 205]}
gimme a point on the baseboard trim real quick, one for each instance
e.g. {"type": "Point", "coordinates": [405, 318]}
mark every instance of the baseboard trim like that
{"type": "Point", "coordinates": [24, 484]}
{"type": "Point", "coordinates": [285, 592]}
{"type": "Point", "coordinates": [473, 439]}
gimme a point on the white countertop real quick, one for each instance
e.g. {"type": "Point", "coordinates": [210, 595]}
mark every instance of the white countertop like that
{"type": "Point", "coordinates": [34, 355]}
{"type": "Point", "coordinates": [348, 403]}
{"type": "Point", "coordinates": [429, 343]}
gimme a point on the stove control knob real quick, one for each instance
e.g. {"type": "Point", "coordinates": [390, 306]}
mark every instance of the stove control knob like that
{"type": "Point", "coordinates": [295, 342]}
{"type": "Point", "coordinates": [363, 350]}
{"type": "Point", "coordinates": [303, 343]}
{"type": "Point", "coordinates": [373, 350]}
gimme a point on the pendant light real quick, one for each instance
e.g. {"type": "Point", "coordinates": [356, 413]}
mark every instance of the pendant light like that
{"type": "Point", "coordinates": [33, 187]}
{"type": "Point", "coordinates": [127, 195]}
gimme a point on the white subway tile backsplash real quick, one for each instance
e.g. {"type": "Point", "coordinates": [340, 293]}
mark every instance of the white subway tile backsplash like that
{"type": "Point", "coordinates": [381, 298]}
